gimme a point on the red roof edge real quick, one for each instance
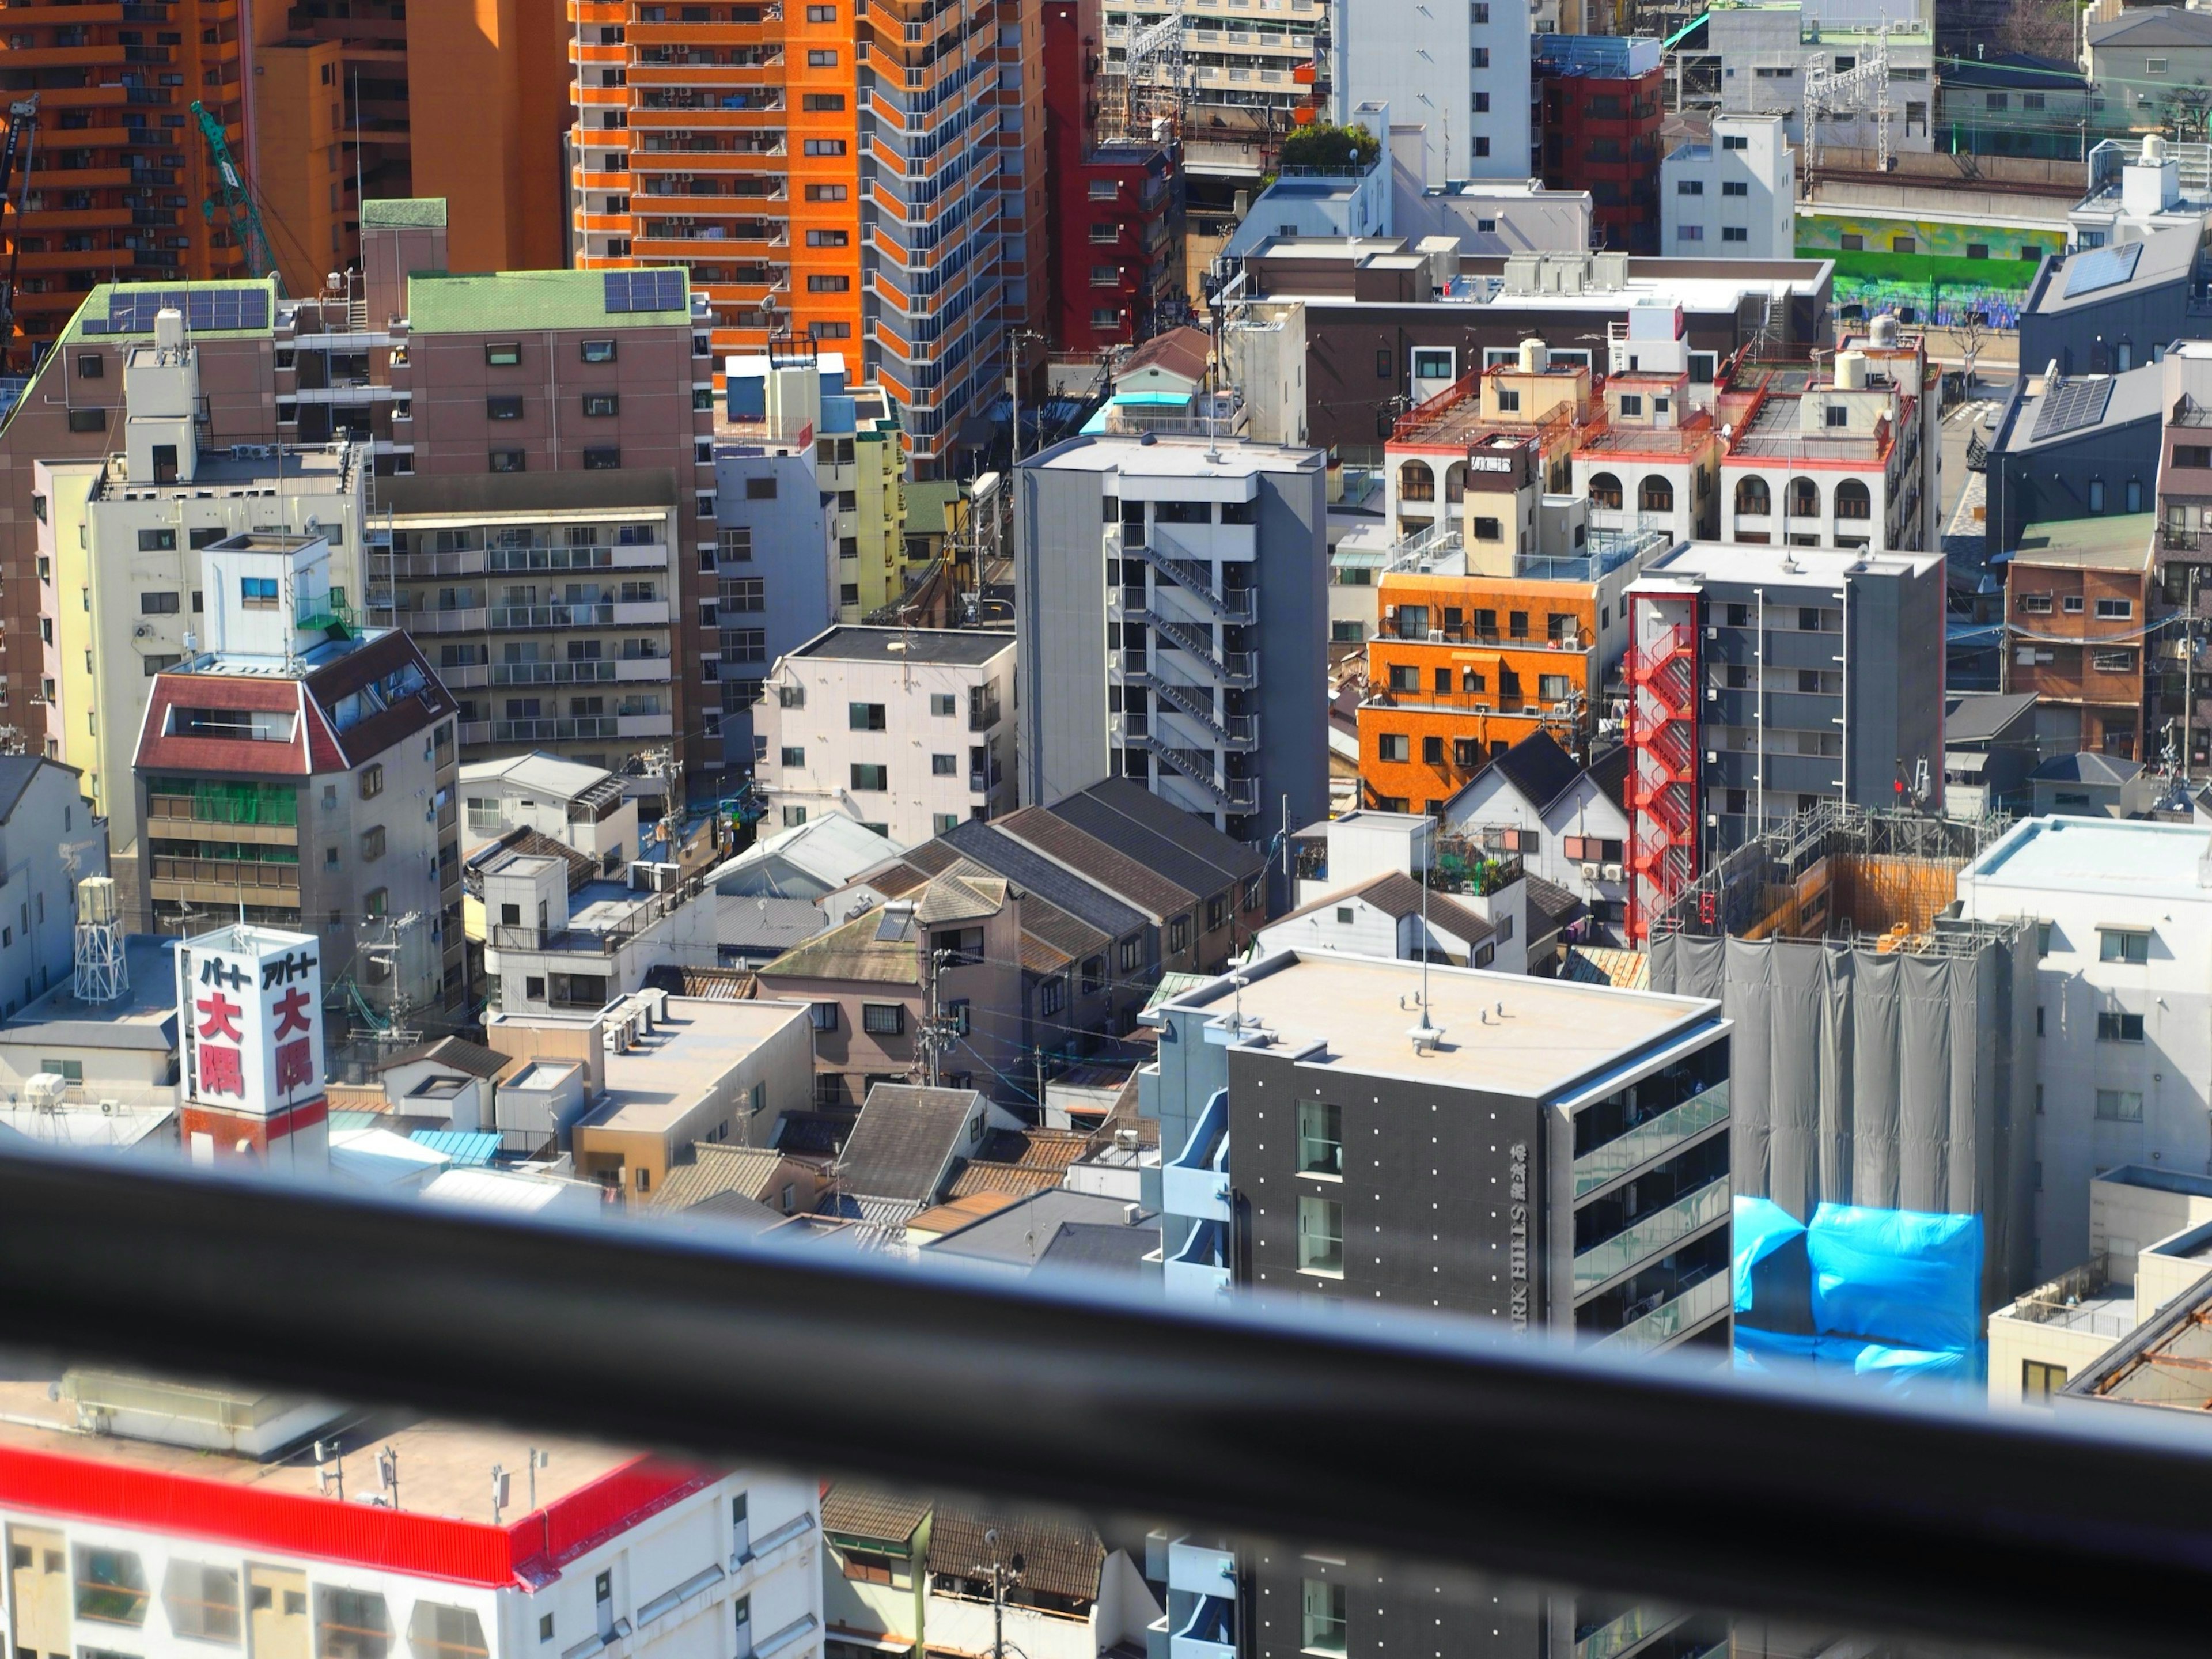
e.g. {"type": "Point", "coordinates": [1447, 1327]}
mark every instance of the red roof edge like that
{"type": "Point", "coordinates": [528, 1551]}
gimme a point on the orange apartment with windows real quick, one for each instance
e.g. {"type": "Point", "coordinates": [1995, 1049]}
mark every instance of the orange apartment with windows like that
{"type": "Point", "coordinates": [117, 170]}
{"type": "Point", "coordinates": [728, 138]}
{"type": "Point", "coordinates": [2076, 601]}
{"type": "Point", "coordinates": [1504, 616]}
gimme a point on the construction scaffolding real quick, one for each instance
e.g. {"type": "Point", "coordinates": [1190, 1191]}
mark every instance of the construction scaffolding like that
{"type": "Point", "coordinates": [1884, 1048]}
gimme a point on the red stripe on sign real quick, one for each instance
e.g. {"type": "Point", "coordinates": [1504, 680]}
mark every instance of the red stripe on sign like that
{"type": "Point", "coordinates": [528, 1551]}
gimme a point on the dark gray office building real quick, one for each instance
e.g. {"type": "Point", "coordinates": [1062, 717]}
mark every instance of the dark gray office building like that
{"type": "Point", "coordinates": [1545, 1155]}
{"type": "Point", "coordinates": [1798, 675]}
{"type": "Point", "coordinates": [1173, 626]}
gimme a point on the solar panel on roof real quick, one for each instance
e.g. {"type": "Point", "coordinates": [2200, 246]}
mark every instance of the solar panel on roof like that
{"type": "Point", "coordinates": [203, 309]}
{"type": "Point", "coordinates": [645, 290]}
{"type": "Point", "coordinates": [2070, 406]}
{"type": "Point", "coordinates": [2101, 268]}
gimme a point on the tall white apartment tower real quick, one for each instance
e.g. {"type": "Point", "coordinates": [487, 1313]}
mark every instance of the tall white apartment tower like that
{"type": "Point", "coordinates": [1459, 69]}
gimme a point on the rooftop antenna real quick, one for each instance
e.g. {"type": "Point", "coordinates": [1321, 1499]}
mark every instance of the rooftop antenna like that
{"type": "Point", "coordinates": [1425, 1035]}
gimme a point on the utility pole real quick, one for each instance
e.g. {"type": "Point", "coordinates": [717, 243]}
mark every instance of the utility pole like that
{"type": "Point", "coordinates": [1002, 1575]}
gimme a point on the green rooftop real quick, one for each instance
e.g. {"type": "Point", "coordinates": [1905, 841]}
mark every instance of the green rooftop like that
{"type": "Point", "coordinates": [926, 504]}
{"type": "Point", "coordinates": [97, 305]}
{"type": "Point", "coordinates": [417, 212]}
{"type": "Point", "coordinates": [518, 300]}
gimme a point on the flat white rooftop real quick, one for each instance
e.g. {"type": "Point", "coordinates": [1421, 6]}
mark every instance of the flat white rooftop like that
{"type": "Point", "coordinates": [1177, 457]}
{"type": "Point", "coordinates": [1549, 1033]}
{"type": "Point", "coordinates": [1727, 561]}
{"type": "Point", "coordinates": [670, 1071]}
{"type": "Point", "coordinates": [2103, 855]}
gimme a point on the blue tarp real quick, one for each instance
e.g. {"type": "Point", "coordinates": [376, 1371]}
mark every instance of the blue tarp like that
{"type": "Point", "coordinates": [1900, 1370]}
{"type": "Point", "coordinates": [1897, 1276]}
{"type": "Point", "coordinates": [1762, 1227]}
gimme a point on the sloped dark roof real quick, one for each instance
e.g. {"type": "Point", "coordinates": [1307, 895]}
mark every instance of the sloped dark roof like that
{"type": "Point", "coordinates": [1551, 907]}
{"type": "Point", "coordinates": [2153, 26]}
{"type": "Point", "coordinates": [1007, 1178]}
{"type": "Point", "coordinates": [813, 1134]}
{"type": "Point", "coordinates": [1186, 851]}
{"type": "Point", "coordinates": [1094, 1248]}
{"type": "Point", "coordinates": [1399, 896]}
{"type": "Point", "coordinates": [1539, 769]}
{"type": "Point", "coordinates": [715, 1170]}
{"type": "Point", "coordinates": [462, 1055]}
{"type": "Point", "coordinates": [16, 772]}
{"type": "Point", "coordinates": [2089, 766]}
{"type": "Point", "coordinates": [1085, 900]}
{"type": "Point", "coordinates": [583, 868]}
{"type": "Point", "coordinates": [1982, 717]}
{"type": "Point", "coordinates": [857, 1511]}
{"type": "Point", "coordinates": [1058, 1557]}
{"type": "Point", "coordinates": [906, 1139]}
{"type": "Point", "coordinates": [1097, 861]}
{"type": "Point", "coordinates": [1609, 772]}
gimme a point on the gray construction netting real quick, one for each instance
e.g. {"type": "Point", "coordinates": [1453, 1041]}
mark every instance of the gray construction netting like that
{"type": "Point", "coordinates": [1895, 1080]}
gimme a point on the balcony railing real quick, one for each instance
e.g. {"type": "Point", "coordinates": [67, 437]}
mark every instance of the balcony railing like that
{"type": "Point", "coordinates": [1670, 1319]}
{"type": "Point", "coordinates": [1616, 1157]}
{"type": "Point", "coordinates": [135, 1262]}
{"type": "Point", "coordinates": [1650, 1234]}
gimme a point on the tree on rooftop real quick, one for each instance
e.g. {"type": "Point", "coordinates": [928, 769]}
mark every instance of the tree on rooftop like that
{"type": "Point", "coordinates": [1335, 149]}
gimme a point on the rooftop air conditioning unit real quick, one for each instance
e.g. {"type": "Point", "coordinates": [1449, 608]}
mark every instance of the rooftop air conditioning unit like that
{"type": "Point", "coordinates": [1612, 873]}
{"type": "Point", "coordinates": [1589, 873]}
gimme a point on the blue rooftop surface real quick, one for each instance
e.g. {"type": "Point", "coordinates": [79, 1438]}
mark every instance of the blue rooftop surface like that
{"type": "Point", "coordinates": [467, 1148]}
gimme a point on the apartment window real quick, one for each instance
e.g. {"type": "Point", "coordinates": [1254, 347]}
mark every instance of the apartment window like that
{"type": "Point", "coordinates": [1132, 955]}
{"type": "Point", "coordinates": [1482, 146]}
{"type": "Point", "coordinates": [603, 460]}
{"type": "Point", "coordinates": [1689, 232]}
{"type": "Point", "coordinates": [1321, 1236]}
{"type": "Point", "coordinates": [257, 592]}
{"type": "Point", "coordinates": [790, 756]}
{"type": "Point", "coordinates": [597, 351]}
{"type": "Point", "coordinates": [507, 460]}
{"type": "Point", "coordinates": [820, 284]}
{"type": "Point", "coordinates": [2115, 609]}
{"type": "Point", "coordinates": [826, 239]}
{"type": "Point", "coordinates": [2119, 1028]}
{"type": "Point", "coordinates": [503, 354]}
{"type": "Point", "coordinates": [883, 1018]}
{"type": "Point", "coordinates": [736, 544]}
{"type": "Point", "coordinates": [437, 1631]}
{"type": "Point", "coordinates": [1735, 234]}
{"type": "Point", "coordinates": [2154, 66]}
{"type": "Point", "coordinates": [1735, 140]}
{"type": "Point", "coordinates": [744, 594]}
{"type": "Point", "coordinates": [505, 407]}
{"type": "Point", "coordinates": [864, 717]}
{"type": "Point", "coordinates": [2119, 1106]}
{"type": "Point", "coordinates": [821, 57]}
{"type": "Point", "coordinates": [161, 602]}
{"type": "Point", "coordinates": [1903, 245]}
{"type": "Point", "coordinates": [1394, 746]}
{"type": "Point", "coordinates": [1735, 187]}
{"type": "Point", "coordinates": [944, 705]}
{"type": "Point", "coordinates": [91, 367]}
{"type": "Point", "coordinates": [825, 146]}
{"type": "Point", "coordinates": [600, 403]}
{"type": "Point", "coordinates": [823, 1016]}
{"type": "Point", "coordinates": [2071, 604]}
{"type": "Point", "coordinates": [822, 14]}
{"type": "Point", "coordinates": [1481, 56]}
{"type": "Point", "coordinates": [1321, 1137]}
{"type": "Point", "coordinates": [1508, 400]}
{"type": "Point", "coordinates": [2127, 945]}
{"type": "Point", "coordinates": [944, 823]}
{"type": "Point", "coordinates": [2039, 1381]}
{"type": "Point", "coordinates": [945, 766]}
{"type": "Point", "coordinates": [871, 780]}
{"type": "Point", "coordinates": [1052, 995]}
{"type": "Point", "coordinates": [88, 420]}
{"type": "Point", "coordinates": [1179, 933]}
{"type": "Point", "coordinates": [372, 781]}
{"type": "Point", "coordinates": [545, 1626]}
{"type": "Point", "coordinates": [821, 102]}
{"type": "Point", "coordinates": [1689, 187]}
{"type": "Point", "coordinates": [2035, 604]}
{"type": "Point", "coordinates": [1489, 530]}
{"type": "Point", "coordinates": [157, 541]}
{"type": "Point", "coordinates": [378, 901]}
{"type": "Point", "coordinates": [2196, 455]}
{"type": "Point", "coordinates": [350, 1624]}
{"type": "Point", "coordinates": [371, 842]}
{"type": "Point", "coordinates": [793, 817]}
{"type": "Point", "coordinates": [201, 1602]}
{"type": "Point", "coordinates": [1321, 1624]}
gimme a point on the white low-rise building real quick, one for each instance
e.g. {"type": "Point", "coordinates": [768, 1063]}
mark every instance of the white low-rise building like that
{"type": "Point", "coordinates": [1566, 824]}
{"type": "Point", "coordinates": [1377, 884]}
{"type": "Point", "coordinates": [908, 730]}
{"type": "Point", "coordinates": [458, 1542]}
{"type": "Point", "coordinates": [1733, 198]}
{"type": "Point", "coordinates": [554, 943]}
{"type": "Point", "coordinates": [2124, 912]}
{"type": "Point", "coordinates": [581, 806]}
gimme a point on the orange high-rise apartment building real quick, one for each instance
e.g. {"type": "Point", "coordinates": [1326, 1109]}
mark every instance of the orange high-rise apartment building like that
{"type": "Point", "coordinates": [466, 100]}
{"type": "Point", "coordinates": [118, 169]}
{"type": "Point", "coordinates": [864, 175]}
{"type": "Point", "coordinates": [319, 101]}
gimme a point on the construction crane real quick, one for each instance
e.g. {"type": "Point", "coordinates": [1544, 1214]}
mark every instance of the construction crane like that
{"type": "Point", "coordinates": [237, 202]}
{"type": "Point", "coordinates": [22, 137]}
